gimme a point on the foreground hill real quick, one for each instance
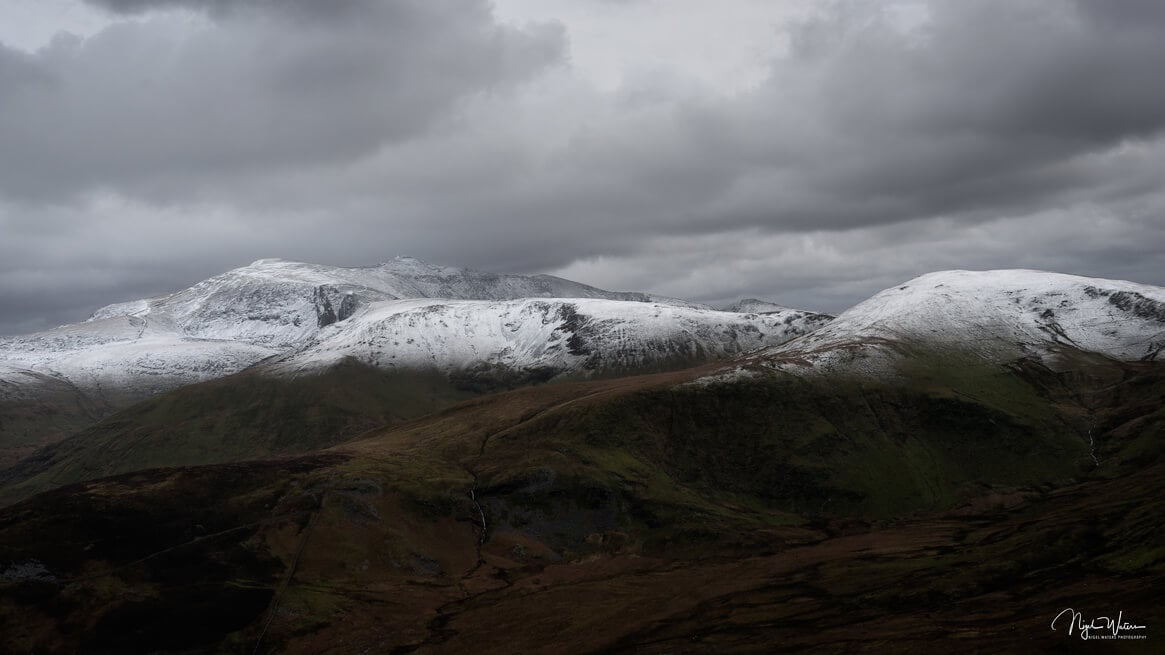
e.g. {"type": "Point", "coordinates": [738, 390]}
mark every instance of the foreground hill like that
{"type": "Point", "coordinates": [656, 513]}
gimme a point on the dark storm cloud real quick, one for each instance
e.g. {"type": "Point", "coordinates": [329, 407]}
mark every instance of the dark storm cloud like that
{"type": "Point", "coordinates": [981, 110]}
{"type": "Point", "coordinates": [981, 133]}
{"type": "Point", "coordinates": [180, 113]}
{"type": "Point", "coordinates": [1125, 14]}
{"type": "Point", "coordinates": [76, 292]}
{"type": "Point", "coordinates": [141, 104]}
{"type": "Point", "coordinates": [988, 108]}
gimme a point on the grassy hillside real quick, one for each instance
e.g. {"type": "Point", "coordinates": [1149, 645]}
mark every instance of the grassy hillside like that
{"type": "Point", "coordinates": [42, 410]}
{"type": "Point", "coordinates": [844, 446]}
{"type": "Point", "coordinates": [64, 437]}
{"type": "Point", "coordinates": [240, 417]}
{"type": "Point", "coordinates": [947, 426]}
{"type": "Point", "coordinates": [656, 513]}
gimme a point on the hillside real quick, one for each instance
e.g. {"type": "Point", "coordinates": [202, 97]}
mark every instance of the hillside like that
{"type": "Point", "coordinates": [677, 513]}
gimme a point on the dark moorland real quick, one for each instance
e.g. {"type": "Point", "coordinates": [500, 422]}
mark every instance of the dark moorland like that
{"type": "Point", "coordinates": [641, 514]}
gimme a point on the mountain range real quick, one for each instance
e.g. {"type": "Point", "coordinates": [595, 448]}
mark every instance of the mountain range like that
{"type": "Point", "coordinates": [482, 329]}
{"type": "Point", "coordinates": [409, 458]}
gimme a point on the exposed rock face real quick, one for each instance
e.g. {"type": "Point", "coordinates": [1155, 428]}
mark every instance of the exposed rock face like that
{"type": "Point", "coordinates": [347, 306]}
{"type": "Point", "coordinates": [326, 298]}
{"type": "Point", "coordinates": [325, 316]}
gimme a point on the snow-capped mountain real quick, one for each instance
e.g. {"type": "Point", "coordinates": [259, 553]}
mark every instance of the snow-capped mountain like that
{"type": "Point", "coordinates": [308, 316]}
{"type": "Point", "coordinates": [996, 315]}
{"type": "Point", "coordinates": [111, 356]}
{"type": "Point", "coordinates": [550, 336]}
{"type": "Point", "coordinates": [280, 303]}
{"type": "Point", "coordinates": [231, 321]}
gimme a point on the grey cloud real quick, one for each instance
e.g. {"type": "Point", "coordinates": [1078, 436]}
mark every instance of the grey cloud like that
{"type": "Point", "coordinates": [978, 110]}
{"type": "Point", "coordinates": [76, 293]}
{"type": "Point", "coordinates": [18, 71]}
{"type": "Point", "coordinates": [313, 9]}
{"type": "Point", "coordinates": [831, 271]}
{"type": "Point", "coordinates": [1125, 14]}
{"type": "Point", "coordinates": [996, 133]}
{"type": "Point", "coordinates": [990, 108]}
{"type": "Point", "coordinates": [148, 107]}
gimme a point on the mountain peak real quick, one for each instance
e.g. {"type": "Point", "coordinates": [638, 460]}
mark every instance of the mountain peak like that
{"type": "Point", "coordinates": [268, 261]}
{"type": "Point", "coordinates": [755, 306]}
{"type": "Point", "coordinates": [415, 265]}
{"type": "Point", "coordinates": [998, 315]}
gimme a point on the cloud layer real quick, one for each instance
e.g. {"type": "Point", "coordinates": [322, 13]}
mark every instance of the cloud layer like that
{"type": "Point", "coordinates": [882, 140]}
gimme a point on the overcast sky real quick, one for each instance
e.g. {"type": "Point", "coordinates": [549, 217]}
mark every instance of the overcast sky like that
{"type": "Point", "coordinates": [810, 153]}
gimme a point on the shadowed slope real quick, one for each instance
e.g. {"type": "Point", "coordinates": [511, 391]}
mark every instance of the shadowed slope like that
{"type": "Point", "coordinates": [630, 515]}
{"type": "Point", "coordinates": [236, 418]}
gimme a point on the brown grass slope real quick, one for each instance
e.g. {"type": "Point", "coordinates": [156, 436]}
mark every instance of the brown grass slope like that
{"type": "Point", "coordinates": [644, 514]}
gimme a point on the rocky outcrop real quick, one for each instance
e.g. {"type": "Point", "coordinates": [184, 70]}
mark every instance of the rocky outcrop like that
{"type": "Point", "coordinates": [325, 299]}
{"type": "Point", "coordinates": [347, 306]}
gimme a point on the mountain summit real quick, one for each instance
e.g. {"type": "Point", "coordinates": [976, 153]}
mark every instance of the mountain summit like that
{"type": "Point", "coordinates": [280, 303]}
{"type": "Point", "coordinates": [997, 316]}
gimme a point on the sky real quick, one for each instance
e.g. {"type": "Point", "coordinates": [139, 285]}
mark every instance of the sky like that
{"type": "Point", "coordinates": [808, 153]}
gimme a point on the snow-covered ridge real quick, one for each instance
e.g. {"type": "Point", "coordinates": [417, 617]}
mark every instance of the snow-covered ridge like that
{"type": "Point", "coordinates": [554, 336]}
{"type": "Point", "coordinates": [998, 315]}
{"type": "Point", "coordinates": [123, 355]}
{"type": "Point", "coordinates": [279, 303]}
{"type": "Point", "coordinates": [274, 307]}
